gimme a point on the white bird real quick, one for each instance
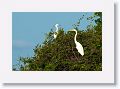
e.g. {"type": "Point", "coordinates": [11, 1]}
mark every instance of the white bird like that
{"type": "Point", "coordinates": [56, 32]}
{"type": "Point", "coordinates": [79, 47]}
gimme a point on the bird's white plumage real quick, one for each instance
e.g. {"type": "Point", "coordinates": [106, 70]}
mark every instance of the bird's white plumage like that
{"type": "Point", "coordinates": [79, 47]}
{"type": "Point", "coordinates": [55, 35]}
{"type": "Point", "coordinates": [56, 32]}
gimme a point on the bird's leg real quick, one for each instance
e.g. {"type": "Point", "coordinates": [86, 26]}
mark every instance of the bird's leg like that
{"type": "Point", "coordinates": [74, 54]}
{"type": "Point", "coordinates": [78, 55]}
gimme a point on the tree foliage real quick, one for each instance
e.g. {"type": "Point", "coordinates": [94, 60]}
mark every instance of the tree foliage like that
{"type": "Point", "coordinates": [60, 54]}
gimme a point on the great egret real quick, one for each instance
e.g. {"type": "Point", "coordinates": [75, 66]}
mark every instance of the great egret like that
{"type": "Point", "coordinates": [56, 32]}
{"type": "Point", "coordinates": [79, 47]}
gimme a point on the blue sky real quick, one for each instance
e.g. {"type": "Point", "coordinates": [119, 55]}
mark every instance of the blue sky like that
{"type": "Point", "coordinates": [29, 28]}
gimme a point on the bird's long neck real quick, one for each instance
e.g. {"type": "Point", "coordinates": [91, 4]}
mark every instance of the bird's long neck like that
{"type": "Point", "coordinates": [75, 36]}
{"type": "Point", "coordinates": [56, 28]}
